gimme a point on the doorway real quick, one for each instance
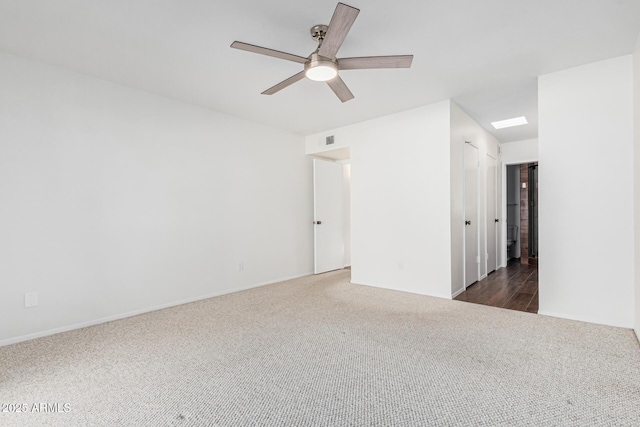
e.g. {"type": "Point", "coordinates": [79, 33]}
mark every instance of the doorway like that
{"type": "Point", "coordinates": [522, 212]}
{"type": "Point", "coordinates": [328, 236]}
{"type": "Point", "coordinates": [516, 286]}
{"type": "Point", "coordinates": [332, 211]}
{"type": "Point", "coordinates": [533, 211]}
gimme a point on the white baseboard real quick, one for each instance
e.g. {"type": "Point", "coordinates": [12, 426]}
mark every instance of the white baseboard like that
{"type": "Point", "coordinates": [586, 319]}
{"type": "Point", "coordinates": [455, 294]}
{"type": "Point", "coordinates": [15, 340]}
{"type": "Point", "coordinates": [400, 289]}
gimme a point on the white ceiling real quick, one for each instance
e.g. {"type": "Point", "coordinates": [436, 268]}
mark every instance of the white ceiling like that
{"type": "Point", "coordinates": [485, 55]}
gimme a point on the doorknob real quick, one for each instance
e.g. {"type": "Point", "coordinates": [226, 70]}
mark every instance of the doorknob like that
{"type": "Point", "coordinates": [317, 222]}
{"type": "Point", "coordinates": [467, 223]}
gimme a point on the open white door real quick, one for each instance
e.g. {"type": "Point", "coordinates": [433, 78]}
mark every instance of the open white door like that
{"type": "Point", "coordinates": [471, 228]}
{"type": "Point", "coordinates": [327, 214]}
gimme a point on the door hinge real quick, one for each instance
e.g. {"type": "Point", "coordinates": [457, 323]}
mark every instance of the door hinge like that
{"type": "Point", "coordinates": [478, 259]}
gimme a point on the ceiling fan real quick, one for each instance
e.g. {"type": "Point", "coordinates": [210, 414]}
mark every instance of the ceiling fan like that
{"type": "Point", "coordinates": [322, 64]}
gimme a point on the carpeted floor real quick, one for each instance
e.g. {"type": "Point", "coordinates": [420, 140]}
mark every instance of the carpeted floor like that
{"type": "Point", "coordinates": [319, 351]}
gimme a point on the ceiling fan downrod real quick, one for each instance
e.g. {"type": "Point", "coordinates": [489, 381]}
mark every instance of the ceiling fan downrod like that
{"type": "Point", "coordinates": [318, 32]}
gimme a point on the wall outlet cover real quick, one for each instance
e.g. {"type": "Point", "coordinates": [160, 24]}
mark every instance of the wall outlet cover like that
{"type": "Point", "coordinates": [30, 299]}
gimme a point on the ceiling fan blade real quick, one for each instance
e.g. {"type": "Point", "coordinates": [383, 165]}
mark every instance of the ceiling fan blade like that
{"type": "Point", "coordinates": [339, 87]}
{"type": "Point", "coordinates": [269, 52]}
{"type": "Point", "coordinates": [339, 27]}
{"type": "Point", "coordinates": [291, 80]}
{"type": "Point", "coordinates": [364, 62]}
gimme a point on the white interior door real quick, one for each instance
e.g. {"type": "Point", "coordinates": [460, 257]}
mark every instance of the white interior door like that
{"type": "Point", "coordinates": [492, 215]}
{"type": "Point", "coordinates": [327, 216]}
{"type": "Point", "coordinates": [471, 248]}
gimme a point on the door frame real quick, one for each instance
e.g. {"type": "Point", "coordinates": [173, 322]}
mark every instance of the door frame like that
{"type": "Point", "coordinates": [503, 180]}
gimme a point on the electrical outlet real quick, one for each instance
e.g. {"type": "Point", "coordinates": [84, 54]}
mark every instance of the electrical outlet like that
{"type": "Point", "coordinates": [30, 299]}
{"type": "Point", "coordinates": [400, 265]}
{"type": "Point", "coordinates": [240, 266]}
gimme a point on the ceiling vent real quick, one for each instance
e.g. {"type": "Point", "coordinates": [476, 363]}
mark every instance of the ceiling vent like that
{"type": "Point", "coordinates": [329, 140]}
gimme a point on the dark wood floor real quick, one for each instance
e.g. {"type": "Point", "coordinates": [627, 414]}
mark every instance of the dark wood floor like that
{"type": "Point", "coordinates": [514, 287]}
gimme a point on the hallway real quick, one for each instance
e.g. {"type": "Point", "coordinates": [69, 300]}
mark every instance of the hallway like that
{"type": "Point", "coordinates": [513, 288]}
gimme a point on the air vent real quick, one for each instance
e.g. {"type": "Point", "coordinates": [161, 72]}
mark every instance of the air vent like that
{"type": "Point", "coordinates": [329, 140]}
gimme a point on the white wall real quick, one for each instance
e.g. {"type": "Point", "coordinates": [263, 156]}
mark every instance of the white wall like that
{"type": "Point", "coordinates": [586, 193]}
{"type": "Point", "coordinates": [464, 128]}
{"type": "Point", "coordinates": [399, 199]}
{"type": "Point", "coordinates": [636, 156]}
{"type": "Point", "coordinates": [346, 217]}
{"type": "Point", "coordinates": [116, 201]}
{"type": "Point", "coordinates": [515, 153]}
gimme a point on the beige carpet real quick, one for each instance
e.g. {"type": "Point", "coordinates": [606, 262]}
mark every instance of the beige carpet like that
{"type": "Point", "coordinates": [319, 351]}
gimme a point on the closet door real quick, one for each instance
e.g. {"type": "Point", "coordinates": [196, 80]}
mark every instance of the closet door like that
{"type": "Point", "coordinates": [471, 229]}
{"type": "Point", "coordinates": [492, 215]}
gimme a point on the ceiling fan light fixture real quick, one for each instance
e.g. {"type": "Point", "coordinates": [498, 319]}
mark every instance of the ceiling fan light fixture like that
{"type": "Point", "coordinates": [321, 73]}
{"type": "Point", "coordinates": [320, 69]}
